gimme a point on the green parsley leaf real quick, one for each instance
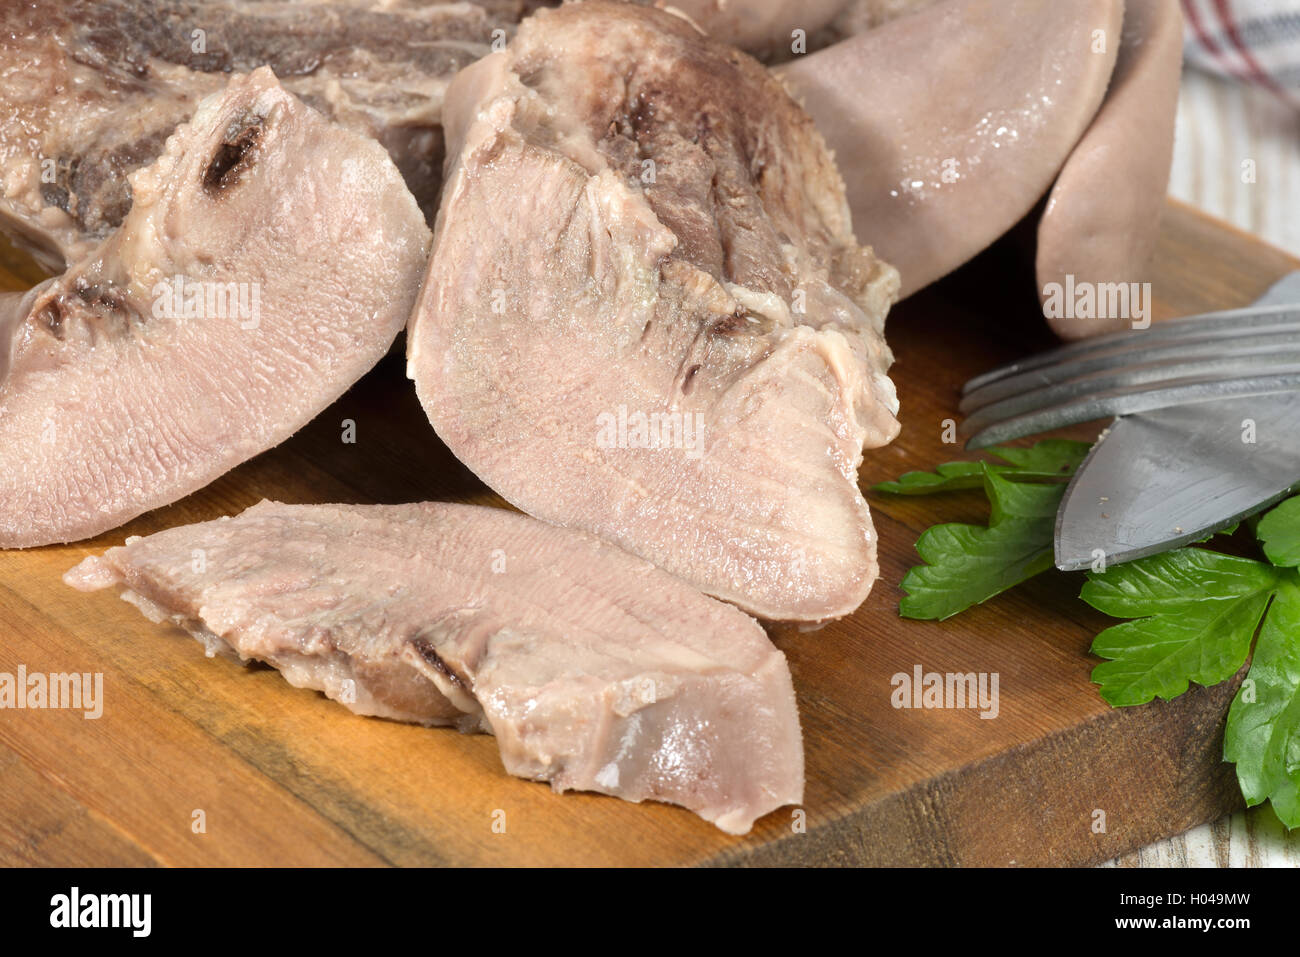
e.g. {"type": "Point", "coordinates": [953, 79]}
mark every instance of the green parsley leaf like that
{"type": "Point", "coordinates": [1279, 532]}
{"type": "Point", "coordinates": [1225, 532]}
{"type": "Point", "coordinates": [1021, 500]}
{"type": "Point", "coordinates": [1263, 733]}
{"type": "Point", "coordinates": [1048, 460]}
{"type": "Point", "coordinates": [1051, 457]}
{"type": "Point", "coordinates": [967, 564]}
{"type": "Point", "coordinates": [1196, 610]}
{"type": "Point", "coordinates": [1193, 613]}
{"type": "Point", "coordinates": [945, 478]}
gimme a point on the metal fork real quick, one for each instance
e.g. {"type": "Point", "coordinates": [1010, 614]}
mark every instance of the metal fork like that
{"type": "Point", "coordinates": [1237, 352]}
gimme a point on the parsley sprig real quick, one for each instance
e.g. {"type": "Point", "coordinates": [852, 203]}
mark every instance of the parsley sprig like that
{"type": "Point", "coordinates": [1049, 460]}
{"type": "Point", "coordinates": [969, 564]}
{"type": "Point", "coordinates": [1193, 614]}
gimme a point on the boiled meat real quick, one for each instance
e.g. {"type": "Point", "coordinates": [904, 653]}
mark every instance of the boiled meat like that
{"type": "Point", "coordinates": [91, 89]}
{"type": "Point", "coordinates": [646, 314]}
{"type": "Point", "coordinates": [1124, 156]}
{"type": "Point", "coordinates": [593, 669]}
{"type": "Point", "coordinates": [269, 260]}
{"type": "Point", "coordinates": [950, 123]}
{"type": "Point", "coordinates": [763, 27]}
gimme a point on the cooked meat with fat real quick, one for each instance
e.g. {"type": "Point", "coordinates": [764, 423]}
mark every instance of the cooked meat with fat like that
{"type": "Point", "coordinates": [269, 259]}
{"type": "Point", "coordinates": [594, 670]}
{"type": "Point", "coordinates": [646, 314]}
{"type": "Point", "coordinates": [91, 89]}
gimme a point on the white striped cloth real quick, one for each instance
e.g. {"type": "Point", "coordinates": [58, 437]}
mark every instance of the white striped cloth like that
{"type": "Point", "coordinates": [1254, 41]}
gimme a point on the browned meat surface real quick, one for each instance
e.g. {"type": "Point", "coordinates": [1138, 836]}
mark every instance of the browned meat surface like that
{"type": "Point", "coordinates": [91, 89]}
{"type": "Point", "coordinates": [594, 670]}
{"type": "Point", "coordinates": [646, 314]}
{"type": "Point", "coordinates": [269, 259]}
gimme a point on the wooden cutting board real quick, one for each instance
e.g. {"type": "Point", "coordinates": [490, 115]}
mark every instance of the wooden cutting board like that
{"type": "Point", "coordinates": [283, 776]}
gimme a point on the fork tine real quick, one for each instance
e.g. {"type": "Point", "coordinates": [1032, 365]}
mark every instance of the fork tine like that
{"type": "Point", "coordinates": [1226, 324]}
{"type": "Point", "coordinates": [1127, 402]}
{"type": "Point", "coordinates": [1155, 376]}
{"type": "Point", "coordinates": [1141, 364]}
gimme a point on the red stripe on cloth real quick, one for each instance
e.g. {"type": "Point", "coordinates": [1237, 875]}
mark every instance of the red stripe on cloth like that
{"type": "Point", "coordinates": [1257, 72]}
{"type": "Point", "coordinates": [1211, 45]}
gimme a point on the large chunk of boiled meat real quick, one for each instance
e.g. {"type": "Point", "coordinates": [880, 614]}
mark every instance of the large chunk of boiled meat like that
{"type": "Point", "coordinates": [951, 122]}
{"type": "Point", "coordinates": [595, 670]}
{"type": "Point", "coordinates": [270, 258]}
{"type": "Point", "coordinates": [91, 89]}
{"type": "Point", "coordinates": [646, 315]}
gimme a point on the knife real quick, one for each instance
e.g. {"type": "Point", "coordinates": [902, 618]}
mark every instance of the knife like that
{"type": "Point", "coordinates": [1162, 479]}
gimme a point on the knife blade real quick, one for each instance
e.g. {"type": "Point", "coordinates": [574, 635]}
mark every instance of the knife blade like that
{"type": "Point", "coordinates": [1162, 479]}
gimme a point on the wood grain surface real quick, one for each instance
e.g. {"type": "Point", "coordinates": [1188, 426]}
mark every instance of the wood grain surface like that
{"type": "Point", "coordinates": [283, 776]}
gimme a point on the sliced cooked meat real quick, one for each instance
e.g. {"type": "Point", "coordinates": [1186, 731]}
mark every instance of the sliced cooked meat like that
{"type": "Point", "coordinates": [270, 258]}
{"type": "Point", "coordinates": [91, 89]}
{"type": "Point", "coordinates": [1124, 156]}
{"type": "Point", "coordinates": [646, 314]}
{"type": "Point", "coordinates": [595, 670]}
{"type": "Point", "coordinates": [951, 123]}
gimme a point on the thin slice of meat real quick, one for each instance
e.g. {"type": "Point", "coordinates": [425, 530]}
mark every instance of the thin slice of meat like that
{"type": "Point", "coordinates": [594, 670]}
{"type": "Point", "coordinates": [269, 260]}
{"type": "Point", "coordinates": [91, 89]}
{"type": "Point", "coordinates": [646, 315]}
